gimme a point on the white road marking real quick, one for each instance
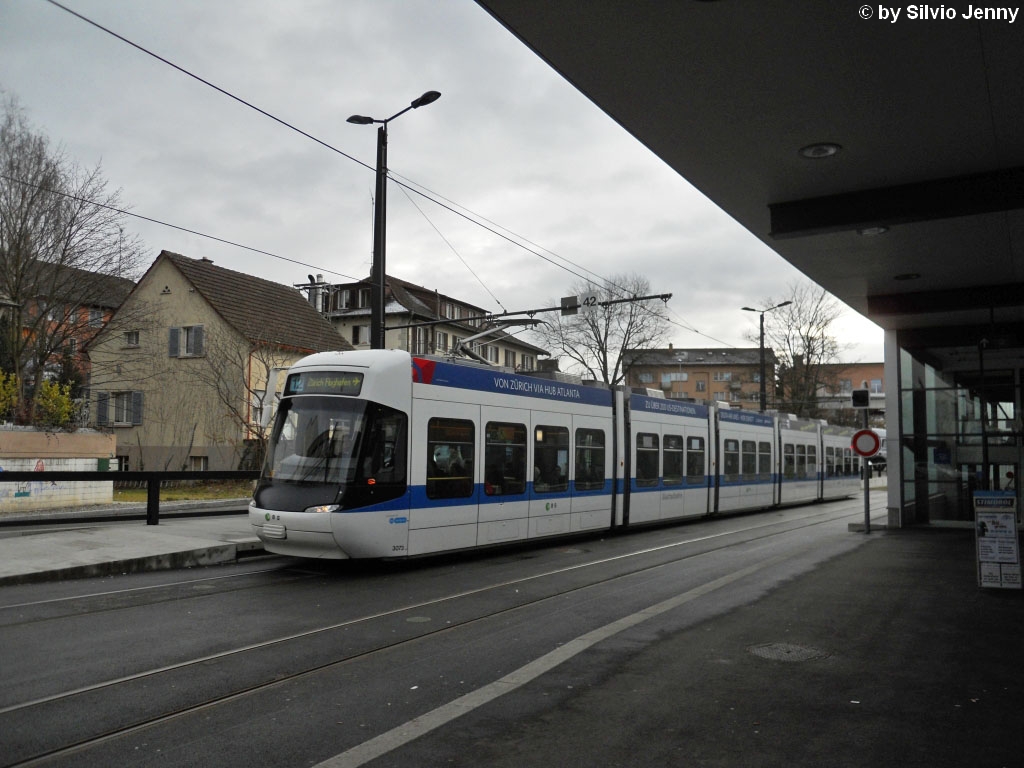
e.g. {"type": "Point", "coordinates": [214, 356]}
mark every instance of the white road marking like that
{"type": "Point", "coordinates": [429, 721]}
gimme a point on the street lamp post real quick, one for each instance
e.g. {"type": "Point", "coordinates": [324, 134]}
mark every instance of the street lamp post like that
{"type": "Point", "coordinates": [764, 397]}
{"type": "Point", "coordinates": [377, 270]}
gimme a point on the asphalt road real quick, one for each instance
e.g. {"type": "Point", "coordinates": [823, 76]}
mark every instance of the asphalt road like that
{"type": "Point", "coordinates": [598, 651]}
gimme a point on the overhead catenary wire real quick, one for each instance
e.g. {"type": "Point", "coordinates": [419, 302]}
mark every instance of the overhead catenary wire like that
{"type": "Point", "coordinates": [298, 130]}
{"type": "Point", "coordinates": [253, 249]}
{"type": "Point", "coordinates": [152, 220]}
{"type": "Point", "coordinates": [474, 216]}
{"type": "Point", "coordinates": [453, 249]}
{"type": "Point", "coordinates": [408, 185]}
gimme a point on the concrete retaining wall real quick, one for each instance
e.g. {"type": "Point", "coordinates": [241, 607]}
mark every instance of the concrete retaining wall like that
{"type": "Point", "coordinates": [26, 451]}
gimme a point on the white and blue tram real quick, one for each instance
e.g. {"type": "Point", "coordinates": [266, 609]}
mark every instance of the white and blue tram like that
{"type": "Point", "coordinates": [381, 454]}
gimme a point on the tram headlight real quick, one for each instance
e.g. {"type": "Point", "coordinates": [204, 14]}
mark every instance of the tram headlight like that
{"type": "Point", "coordinates": [323, 508]}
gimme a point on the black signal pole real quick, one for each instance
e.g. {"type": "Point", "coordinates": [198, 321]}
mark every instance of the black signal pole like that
{"type": "Point", "coordinates": [764, 392]}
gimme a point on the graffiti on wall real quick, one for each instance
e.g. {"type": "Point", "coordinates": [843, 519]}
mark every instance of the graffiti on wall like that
{"type": "Point", "coordinates": [25, 489]}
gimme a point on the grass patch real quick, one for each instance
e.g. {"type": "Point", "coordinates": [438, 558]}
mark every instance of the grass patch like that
{"type": "Point", "coordinates": [191, 491]}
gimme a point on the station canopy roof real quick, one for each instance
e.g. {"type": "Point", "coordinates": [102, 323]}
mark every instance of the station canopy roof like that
{"type": "Point", "coordinates": [916, 220]}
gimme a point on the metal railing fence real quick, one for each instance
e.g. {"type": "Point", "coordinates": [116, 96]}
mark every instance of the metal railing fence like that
{"type": "Point", "coordinates": [153, 481]}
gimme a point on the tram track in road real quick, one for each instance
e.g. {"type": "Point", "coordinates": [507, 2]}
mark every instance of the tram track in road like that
{"type": "Point", "coordinates": [147, 589]}
{"type": "Point", "coordinates": [240, 659]}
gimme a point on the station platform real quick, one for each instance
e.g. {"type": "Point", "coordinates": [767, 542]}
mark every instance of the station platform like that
{"type": "Point", "coordinates": [71, 549]}
{"type": "Point", "coordinates": [887, 655]}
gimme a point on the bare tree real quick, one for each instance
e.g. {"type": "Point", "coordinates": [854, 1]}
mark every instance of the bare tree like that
{"type": "Point", "coordinates": [596, 338]}
{"type": "Point", "coordinates": [61, 241]}
{"type": "Point", "coordinates": [236, 371]}
{"type": "Point", "coordinates": [800, 335]}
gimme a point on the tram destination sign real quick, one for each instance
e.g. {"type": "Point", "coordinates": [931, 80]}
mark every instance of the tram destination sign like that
{"type": "Point", "coordinates": [324, 383]}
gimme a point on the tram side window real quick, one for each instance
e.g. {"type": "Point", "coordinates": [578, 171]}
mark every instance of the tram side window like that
{"type": "Point", "coordinates": [589, 460]}
{"type": "Point", "coordinates": [672, 459]}
{"type": "Point", "coordinates": [695, 473]}
{"type": "Point", "coordinates": [749, 459]}
{"type": "Point", "coordinates": [801, 461]}
{"type": "Point", "coordinates": [855, 468]}
{"type": "Point", "coordinates": [504, 459]}
{"type": "Point", "coordinates": [764, 460]}
{"type": "Point", "coordinates": [732, 460]}
{"type": "Point", "coordinates": [551, 459]}
{"type": "Point", "coordinates": [450, 458]}
{"type": "Point", "coordinates": [847, 462]}
{"type": "Point", "coordinates": [830, 462]}
{"type": "Point", "coordinates": [646, 459]}
{"type": "Point", "coordinates": [788, 461]}
{"type": "Point", "coordinates": [812, 462]}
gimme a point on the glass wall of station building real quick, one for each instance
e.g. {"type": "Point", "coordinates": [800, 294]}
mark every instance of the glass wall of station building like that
{"type": "Point", "coordinates": [960, 426]}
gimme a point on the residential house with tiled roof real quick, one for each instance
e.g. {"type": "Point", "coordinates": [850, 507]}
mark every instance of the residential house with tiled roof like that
{"type": "Point", "coordinates": [707, 375]}
{"type": "Point", "coordinates": [421, 321]}
{"type": "Point", "coordinates": [183, 386]}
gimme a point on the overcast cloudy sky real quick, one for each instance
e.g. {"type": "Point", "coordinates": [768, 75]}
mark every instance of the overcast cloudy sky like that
{"type": "Point", "coordinates": [509, 141]}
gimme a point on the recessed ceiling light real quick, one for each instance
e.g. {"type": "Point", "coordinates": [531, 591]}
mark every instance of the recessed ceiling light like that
{"type": "Point", "coordinates": [907, 276]}
{"type": "Point", "coordinates": [821, 150]}
{"type": "Point", "coordinates": [872, 231]}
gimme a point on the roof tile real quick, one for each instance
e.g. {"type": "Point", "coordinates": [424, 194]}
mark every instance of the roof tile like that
{"type": "Point", "coordinates": [260, 310]}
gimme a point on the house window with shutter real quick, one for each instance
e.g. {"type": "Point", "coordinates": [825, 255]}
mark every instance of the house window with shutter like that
{"type": "Point", "coordinates": [193, 340]}
{"type": "Point", "coordinates": [119, 409]}
{"type": "Point", "coordinates": [186, 342]}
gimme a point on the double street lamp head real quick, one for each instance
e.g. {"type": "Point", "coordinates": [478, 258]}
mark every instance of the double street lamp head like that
{"type": "Point", "coordinates": [783, 304]}
{"type": "Point", "coordinates": [427, 98]}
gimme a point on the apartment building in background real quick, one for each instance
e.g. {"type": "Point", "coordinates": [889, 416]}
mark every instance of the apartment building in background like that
{"type": "Point", "coordinates": [730, 375]}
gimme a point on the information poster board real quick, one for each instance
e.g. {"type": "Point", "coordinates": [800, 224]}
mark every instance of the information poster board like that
{"type": "Point", "coordinates": [995, 531]}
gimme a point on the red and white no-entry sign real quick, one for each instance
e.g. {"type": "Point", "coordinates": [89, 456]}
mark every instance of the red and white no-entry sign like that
{"type": "Point", "coordinates": [865, 443]}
